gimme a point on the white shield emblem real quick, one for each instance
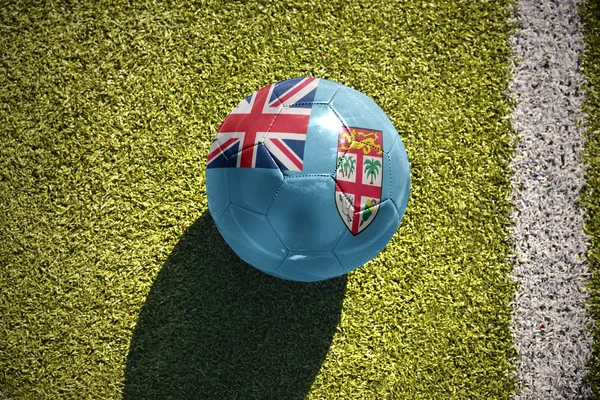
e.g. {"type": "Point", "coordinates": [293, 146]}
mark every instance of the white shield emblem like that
{"type": "Point", "coordinates": [358, 177]}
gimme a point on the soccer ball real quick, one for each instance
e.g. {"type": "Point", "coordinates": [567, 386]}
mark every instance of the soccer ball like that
{"type": "Point", "coordinates": [307, 179]}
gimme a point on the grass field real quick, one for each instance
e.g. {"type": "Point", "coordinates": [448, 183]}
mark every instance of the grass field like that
{"type": "Point", "coordinates": [114, 281]}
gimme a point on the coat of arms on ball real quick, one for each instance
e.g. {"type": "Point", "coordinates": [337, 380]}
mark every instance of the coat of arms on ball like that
{"type": "Point", "coordinates": [358, 177]}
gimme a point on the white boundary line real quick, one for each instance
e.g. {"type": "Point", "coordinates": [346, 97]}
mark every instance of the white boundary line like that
{"type": "Point", "coordinates": [550, 267]}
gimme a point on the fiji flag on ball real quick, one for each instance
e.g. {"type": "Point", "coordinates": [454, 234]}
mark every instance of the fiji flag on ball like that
{"type": "Point", "coordinates": [307, 179]}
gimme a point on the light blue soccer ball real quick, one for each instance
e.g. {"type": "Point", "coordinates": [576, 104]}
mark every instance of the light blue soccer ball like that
{"type": "Point", "coordinates": [307, 179]}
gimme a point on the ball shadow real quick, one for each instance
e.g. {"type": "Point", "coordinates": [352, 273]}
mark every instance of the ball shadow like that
{"type": "Point", "coordinates": [212, 327]}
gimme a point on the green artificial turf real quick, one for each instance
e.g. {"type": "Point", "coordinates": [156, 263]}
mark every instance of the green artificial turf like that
{"type": "Point", "coordinates": [114, 281]}
{"type": "Point", "coordinates": [590, 13]}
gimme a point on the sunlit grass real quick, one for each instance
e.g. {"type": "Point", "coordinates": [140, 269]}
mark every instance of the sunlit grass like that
{"type": "Point", "coordinates": [107, 110]}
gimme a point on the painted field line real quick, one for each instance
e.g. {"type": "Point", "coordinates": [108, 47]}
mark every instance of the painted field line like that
{"type": "Point", "coordinates": [550, 316]}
